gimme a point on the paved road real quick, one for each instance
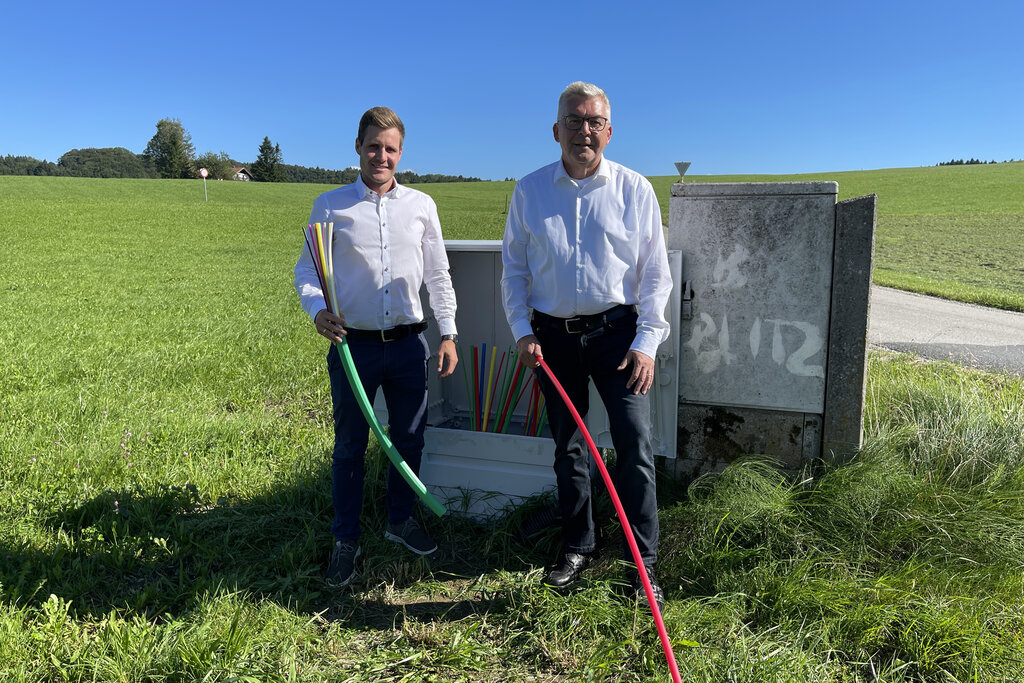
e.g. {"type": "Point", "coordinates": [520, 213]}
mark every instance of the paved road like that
{"type": "Point", "coordinates": [940, 329]}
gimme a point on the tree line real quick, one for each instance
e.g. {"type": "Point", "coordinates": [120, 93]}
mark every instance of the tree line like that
{"type": "Point", "coordinates": [961, 162]}
{"type": "Point", "coordinates": [171, 154]}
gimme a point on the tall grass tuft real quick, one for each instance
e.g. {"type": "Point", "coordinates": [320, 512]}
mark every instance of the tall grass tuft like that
{"type": "Point", "coordinates": [905, 563]}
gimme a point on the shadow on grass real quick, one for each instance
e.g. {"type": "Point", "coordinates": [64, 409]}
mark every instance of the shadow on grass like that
{"type": "Point", "coordinates": [158, 553]}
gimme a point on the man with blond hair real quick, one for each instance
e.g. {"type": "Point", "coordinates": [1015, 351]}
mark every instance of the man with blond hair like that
{"type": "Point", "coordinates": [387, 244]}
{"type": "Point", "coordinates": [586, 279]}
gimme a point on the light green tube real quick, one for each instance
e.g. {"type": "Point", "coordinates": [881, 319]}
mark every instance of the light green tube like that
{"type": "Point", "coordinates": [382, 438]}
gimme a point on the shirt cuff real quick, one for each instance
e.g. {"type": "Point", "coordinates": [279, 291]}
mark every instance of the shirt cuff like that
{"type": "Point", "coordinates": [447, 326]}
{"type": "Point", "coordinates": [522, 329]}
{"type": "Point", "coordinates": [646, 343]}
{"type": "Point", "coordinates": [315, 309]}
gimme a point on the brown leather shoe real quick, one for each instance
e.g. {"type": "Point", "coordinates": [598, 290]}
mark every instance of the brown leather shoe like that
{"type": "Point", "coordinates": [568, 569]}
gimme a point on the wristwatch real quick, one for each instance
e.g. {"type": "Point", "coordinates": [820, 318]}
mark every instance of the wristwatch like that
{"type": "Point", "coordinates": [452, 337]}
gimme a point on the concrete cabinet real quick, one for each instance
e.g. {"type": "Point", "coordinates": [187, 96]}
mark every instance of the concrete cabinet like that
{"type": "Point", "coordinates": [774, 334]}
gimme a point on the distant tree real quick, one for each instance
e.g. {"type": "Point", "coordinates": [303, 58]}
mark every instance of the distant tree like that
{"type": "Point", "coordinates": [119, 162]}
{"type": "Point", "coordinates": [406, 177]}
{"type": "Point", "coordinates": [972, 160]}
{"type": "Point", "coordinates": [268, 165]}
{"type": "Point", "coordinates": [171, 150]}
{"type": "Point", "coordinates": [304, 174]}
{"type": "Point", "coordinates": [21, 165]}
{"type": "Point", "coordinates": [219, 165]}
{"type": "Point", "coordinates": [106, 162]}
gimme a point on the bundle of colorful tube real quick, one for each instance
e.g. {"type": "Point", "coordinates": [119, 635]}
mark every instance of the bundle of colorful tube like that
{"type": "Point", "coordinates": [495, 394]}
{"type": "Point", "coordinates": [318, 245]}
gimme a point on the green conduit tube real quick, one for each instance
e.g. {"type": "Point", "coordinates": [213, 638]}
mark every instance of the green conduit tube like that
{"type": "Point", "coordinates": [382, 438]}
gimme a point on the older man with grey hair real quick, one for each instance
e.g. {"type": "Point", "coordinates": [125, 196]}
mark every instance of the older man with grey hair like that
{"type": "Point", "coordinates": [586, 279]}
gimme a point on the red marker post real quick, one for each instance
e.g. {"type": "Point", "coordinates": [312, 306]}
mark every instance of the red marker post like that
{"type": "Point", "coordinates": [203, 172]}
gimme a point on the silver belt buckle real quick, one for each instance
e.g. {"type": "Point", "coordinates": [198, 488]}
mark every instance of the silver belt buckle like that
{"type": "Point", "coordinates": [568, 328]}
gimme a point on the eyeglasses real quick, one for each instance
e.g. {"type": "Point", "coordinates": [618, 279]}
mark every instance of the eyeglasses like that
{"type": "Point", "coordinates": [596, 123]}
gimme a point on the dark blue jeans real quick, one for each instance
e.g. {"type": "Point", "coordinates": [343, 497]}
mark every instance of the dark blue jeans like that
{"type": "Point", "coordinates": [575, 359]}
{"type": "Point", "coordinates": [399, 368]}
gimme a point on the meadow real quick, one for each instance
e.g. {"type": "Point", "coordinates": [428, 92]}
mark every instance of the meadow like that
{"type": "Point", "coordinates": [165, 509]}
{"type": "Point", "coordinates": [951, 231]}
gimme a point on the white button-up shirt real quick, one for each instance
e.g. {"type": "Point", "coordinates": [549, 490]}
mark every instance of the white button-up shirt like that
{"type": "Point", "coordinates": [385, 248]}
{"type": "Point", "coordinates": [574, 248]}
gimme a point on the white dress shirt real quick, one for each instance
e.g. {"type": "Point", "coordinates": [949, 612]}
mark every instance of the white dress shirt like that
{"type": "Point", "coordinates": [385, 248]}
{"type": "Point", "coordinates": [572, 250]}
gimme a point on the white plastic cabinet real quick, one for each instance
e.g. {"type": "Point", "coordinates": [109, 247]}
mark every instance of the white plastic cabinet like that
{"type": "Point", "coordinates": [480, 473]}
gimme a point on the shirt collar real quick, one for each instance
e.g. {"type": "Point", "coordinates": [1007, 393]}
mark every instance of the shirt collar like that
{"type": "Point", "coordinates": [364, 192]}
{"type": "Point", "coordinates": [603, 171]}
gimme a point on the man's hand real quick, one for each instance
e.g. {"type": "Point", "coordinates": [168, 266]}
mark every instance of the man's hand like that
{"type": "Point", "coordinates": [447, 358]}
{"type": "Point", "coordinates": [330, 325]}
{"type": "Point", "coordinates": [642, 373]}
{"type": "Point", "coordinates": [529, 351]}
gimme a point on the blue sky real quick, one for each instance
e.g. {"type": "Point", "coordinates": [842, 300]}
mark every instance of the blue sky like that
{"type": "Point", "coordinates": [732, 86]}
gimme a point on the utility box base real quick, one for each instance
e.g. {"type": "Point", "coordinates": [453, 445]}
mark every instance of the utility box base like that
{"type": "Point", "coordinates": [481, 474]}
{"type": "Point", "coordinates": [717, 435]}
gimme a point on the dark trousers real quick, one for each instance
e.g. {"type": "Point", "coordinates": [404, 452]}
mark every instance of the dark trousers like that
{"type": "Point", "coordinates": [575, 359]}
{"type": "Point", "coordinates": [399, 368]}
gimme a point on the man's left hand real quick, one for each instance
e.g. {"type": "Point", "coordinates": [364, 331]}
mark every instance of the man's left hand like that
{"type": "Point", "coordinates": [447, 358]}
{"type": "Point", "coordinates": [642, 372]}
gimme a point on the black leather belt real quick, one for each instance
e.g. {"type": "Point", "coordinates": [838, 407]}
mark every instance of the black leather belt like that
{"type": "Point", "coordinates": [393, 334]}
{"type": "Point", "coordinates": [584, 323]}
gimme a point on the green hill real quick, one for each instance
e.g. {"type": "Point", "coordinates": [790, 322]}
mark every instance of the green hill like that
{"type": "Point", "coordinates": [951, 231]}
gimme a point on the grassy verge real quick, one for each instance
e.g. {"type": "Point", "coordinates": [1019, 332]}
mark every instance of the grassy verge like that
{"type": "Point", "coordinates": [903, 565]}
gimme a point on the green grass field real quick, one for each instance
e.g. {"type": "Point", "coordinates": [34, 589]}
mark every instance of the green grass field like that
{"type": "Point", "coordinates": [950, 231]}
{"type": "Point", "coordinates": [165, 509]}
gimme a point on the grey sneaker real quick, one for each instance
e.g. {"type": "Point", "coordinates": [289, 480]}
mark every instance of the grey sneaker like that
{"type": "Point", "coordinates": [343, 563]}
{"type": "Point", "coordinates": [641, 594]}
{"type": "Point", "coordinates": [409, 534]}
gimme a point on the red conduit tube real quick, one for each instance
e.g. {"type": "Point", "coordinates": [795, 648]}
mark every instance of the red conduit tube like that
{"type": "Point", "coordinates": [659, 623]}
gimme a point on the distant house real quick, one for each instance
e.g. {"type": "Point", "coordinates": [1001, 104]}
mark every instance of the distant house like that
{"type": "Point", "coordinates": [241, 173]}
